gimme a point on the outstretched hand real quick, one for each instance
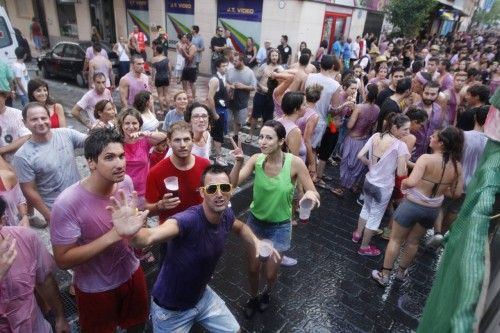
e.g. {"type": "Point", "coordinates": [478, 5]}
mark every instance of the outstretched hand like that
{"type": "Point", "coordinates": [127, 219]}
{"type": "Point", "coordinates": [274, 253]}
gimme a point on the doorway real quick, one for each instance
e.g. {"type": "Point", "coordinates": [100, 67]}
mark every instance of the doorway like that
{"type": "Point", "coordinates": [333, 27]}
{"type": "Point", "coordinates": [39, 13]}
{"type": "Point", "coordinates": [103, 18]}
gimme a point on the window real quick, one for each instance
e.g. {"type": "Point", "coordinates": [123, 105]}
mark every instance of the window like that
{"type": "Point", "coordinates": [5, 38]}
{"type": "Point", "coordinates": [67, 19]}
{"type": "Point", "coordinates": [58, 51]}
{"type": "Point", "coordinates": [72, 51]}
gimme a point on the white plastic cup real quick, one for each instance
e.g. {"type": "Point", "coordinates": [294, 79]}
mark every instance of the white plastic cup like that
{"type": "Point", "coordinates": [265, 249]}
{"type": "Point", "coordinates": [305, 208]}
{"type": "Point", "coordinates": [172, 185]}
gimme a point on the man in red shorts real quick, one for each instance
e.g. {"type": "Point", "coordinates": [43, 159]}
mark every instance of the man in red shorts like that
{"type": "Point", "coordinates": [181, 164]}
{"type": "Point", "coordinates": [109, 283]}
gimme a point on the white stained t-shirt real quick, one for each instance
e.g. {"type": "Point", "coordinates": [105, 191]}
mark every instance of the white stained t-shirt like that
{"type": "Point", "coordinates": [90, 99]}
{"type": "Point", "coordinates": [11, 128]}
{"type": "Point", "coordinates": [21, 72]}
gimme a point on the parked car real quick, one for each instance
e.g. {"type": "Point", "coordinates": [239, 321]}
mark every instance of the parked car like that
{"type": "Point", "coordinates": [66, 60]}
{"type": "Point", "coordinates": [23, 42]}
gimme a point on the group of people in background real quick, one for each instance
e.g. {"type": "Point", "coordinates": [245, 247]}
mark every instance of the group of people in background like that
{"type": "Point", "coordinates": [403, 120]}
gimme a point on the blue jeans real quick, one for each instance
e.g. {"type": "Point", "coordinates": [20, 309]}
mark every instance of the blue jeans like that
{"type": "Point", "coordinates": [24, 99]}
{"type": "Point", "coordinates": [280, 234]}
{"type": "Point", "coordinates": [211, 312]}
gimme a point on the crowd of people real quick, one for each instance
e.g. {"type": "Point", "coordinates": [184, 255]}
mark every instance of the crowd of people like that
{"type": "Point", "coordinates": [403, 120]}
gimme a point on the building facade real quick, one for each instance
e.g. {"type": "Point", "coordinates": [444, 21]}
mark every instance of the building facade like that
{"type": "Point", "coordinates": [301, 20]}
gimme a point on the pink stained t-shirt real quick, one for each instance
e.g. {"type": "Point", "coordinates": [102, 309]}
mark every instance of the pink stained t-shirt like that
{"type": "Point", "coordinates": [136, 85]}
{"type": "Point", "coordinates": [90, 99]}
{"type": "Point", "coordinates": [79, 217]}
{"type": "Point", "coordinates": [137, 158]}
{"type": "Point", "coordinates": [13, 198]}
{"type": "Point", "coordinates": [19, 311]}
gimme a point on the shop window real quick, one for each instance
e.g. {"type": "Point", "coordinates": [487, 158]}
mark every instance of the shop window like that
{"type": "Point", "coordinates": [67, 19]}
{"type": "Point", "coordinates": [333, 27]}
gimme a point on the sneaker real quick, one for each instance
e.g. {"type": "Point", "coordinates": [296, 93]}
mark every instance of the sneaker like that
{"type": "Point", "coordinates": [386, 234]}
{"type": "Point", "coordinates": [371, 251]}
{"type": "Point", "coordinates": [37, 222]}
{"type": "Point", "coordinates": [220, 162]}
{"type": "Point", "coordinates": [251, 307]}
{"type": "Point", "coordinates": [381, 279]}
{"type": "Point", "coordinates": [287, 261]}
{"type": "Point", "coordinates": [264, 302]}
{"type": "Point", "coordinates": [402, 275]}
{"type": "Point", "coordinates": [434, 242]}
{"type": "Point", "coordinates": [355, 237]}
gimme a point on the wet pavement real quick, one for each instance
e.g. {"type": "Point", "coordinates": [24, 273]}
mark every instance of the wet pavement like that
{"type": "Point", "coordinates": [329, 290]}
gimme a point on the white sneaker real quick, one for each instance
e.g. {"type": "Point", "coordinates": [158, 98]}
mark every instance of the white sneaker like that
{"type": "Point", "coordinates": [434, 242]}
{"type": "Point", "coordinates": [287, 261]}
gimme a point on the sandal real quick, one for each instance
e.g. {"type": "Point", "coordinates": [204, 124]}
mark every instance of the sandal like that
{"type": "Point", "coordinates": [321, 184]}
{"type": "Point", "coordinates": [338, 191]}
{"type": "Point", "coordinates": [333, 162]}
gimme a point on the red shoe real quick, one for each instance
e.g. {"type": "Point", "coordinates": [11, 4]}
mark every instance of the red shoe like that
{"type": "Point", "coordinates": [355, 237]}
{"type": "Point", "coordinates": [371, 251]}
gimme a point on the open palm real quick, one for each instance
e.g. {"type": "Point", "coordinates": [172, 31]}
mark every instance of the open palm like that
{"type": "Point", "coordinates": [127, 219]}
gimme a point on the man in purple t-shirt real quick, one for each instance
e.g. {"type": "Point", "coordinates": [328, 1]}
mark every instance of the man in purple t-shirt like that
{"type": "Point", "coordinates": [197, 237]}
{"type": "Point", "coordinates": [109, 283]}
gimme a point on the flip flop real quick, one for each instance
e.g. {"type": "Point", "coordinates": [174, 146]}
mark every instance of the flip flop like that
{"type": "Point", "coordinates": [321, 184]}
{"type": "Point", "coordinates": [337, 191]}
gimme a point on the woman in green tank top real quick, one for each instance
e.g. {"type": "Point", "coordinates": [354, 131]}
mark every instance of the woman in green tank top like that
{"type": "Point", "coordinates": [276, 174]}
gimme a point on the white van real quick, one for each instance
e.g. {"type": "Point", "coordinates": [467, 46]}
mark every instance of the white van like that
{"type": "Point", "coordinates": [8, 42]}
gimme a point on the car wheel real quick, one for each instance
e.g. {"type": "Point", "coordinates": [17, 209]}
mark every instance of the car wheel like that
{"type": "Point", "coordinates": [80, 80]}
{"type": "Point", "coordinates": [45, 73]}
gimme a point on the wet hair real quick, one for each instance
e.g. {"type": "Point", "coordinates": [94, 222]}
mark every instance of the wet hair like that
{"type": "Point", "coordinates": [219, 61]}
{"type": "Point", "coordinates": [304, 58]}
{"type": "Point", "coordinates": [159, 49]}
{"type": "Point", "coordinates": [97, 75]}
{"type": "Point", "coordinates": [395, 69]}
{"type": "Point", "coordinates": [97, 47]}
{"type": "Point", "coordinates": [280, 131]}
{"type": "Point", "coordinates": [481, 91]}
{"type": "Point", "coordinates": [100, 106]}
{"type": "Point", "coordinates": [417, 66]}
{"type": "Point", "coordinates": [348, 81]}
{"type": "Point", "coordinates": [97, 140]}
{"type": "Point", "coordinates": [419, 115]}
{"type": "Point", "coordinates": [313, 93]}
{"type": "Point", "coordinates": [403, 85]}
{"type": "Point", "coordinates": [33, 85]}
{"type": "Point", "coordinates": [179, 126]}
{"type": "Point", "coordinates": [268, 60]}
{"type": "Point", "coordinates": [213, 169]}
{"type": "Point", "coordinates": [394, 119]}
{"type": "Point", "coordinates": [141, 100]}
{"type": "Point", "coordinates": [372, 93]}
{"type": "Point", "coordinates": [189, 111]}
{"type": "Point", "coordinates": [432, 84]}
{"type": "Point", "coordinates": [306, 51]}
{"type": "Point", "coordinates": [128, 112]}
{"type": "Point", "coordinates": [327, 62]}
{"type": "Point", "coordinates": [480, 114]}
{"type": "Point", "coordinates": [32, 105]}
{"type": "Point", "coordinates": [452, 139]}
{"type": "Point", "coordinates": [292, 101]}
{"type": "Point", "coordinates": [446, 63]}
{"type": "Point", "coordinates": [434, 60]}
{"type": "Point", "coordinates": [136, 57]}
{"type": "Point", "coordinates": [473, 72]}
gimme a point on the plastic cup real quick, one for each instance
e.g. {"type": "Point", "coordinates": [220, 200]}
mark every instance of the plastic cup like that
{"type": "Point", "coordinates": [265, 249]}
{"type": "Point", "coordinates": [172, 185]}
{"type": "Point", "coordinates": [305, 208]}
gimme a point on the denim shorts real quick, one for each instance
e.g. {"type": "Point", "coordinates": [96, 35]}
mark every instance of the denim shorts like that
{"type": "Point", "coordinates": [279, 233]}
{"type": "Point", "coordinates": [409, 213]}
{"type": "Point", "coordinates": [210, 311]}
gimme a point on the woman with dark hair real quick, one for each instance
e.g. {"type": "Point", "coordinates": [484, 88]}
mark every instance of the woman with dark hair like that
{"type": "Point", "coordinates": [385, 155]}
{"type": "Point", "coordinates": [250, 53]}
{"type": "Point", "coordinates": [302, 46]}
{"type": "Point", "coordinates": [293, 104]}
{"type": "Point", "coordinates": [434, 176]}
{"type": "Point", "coordinates": [144, 103]}
{"type": "Point", "coordinates": [105, 114]}
{"type": "Point", "coordinates": [161, 76]}
{"type": "Point", "coordinates": [276, 174]}
{"type": "Point", "coordinates": [38, 91]}
{"type": "Point", "coordinates": [360, 126]}
{"type": "Point", "coordinates": [137, 144]}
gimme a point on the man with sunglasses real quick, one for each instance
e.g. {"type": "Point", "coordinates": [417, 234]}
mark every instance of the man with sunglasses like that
{"type": "Point", "coordinates": [181, 164]}
{"type": "Point", "coordinates": [181, 295]}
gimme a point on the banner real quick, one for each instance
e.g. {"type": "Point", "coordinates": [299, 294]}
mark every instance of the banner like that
{"type": "Point", "coordinates": [179, 18]}
{"type": "Point", "coordinates": [242, 18]}
{"type": "Point", "coordinates": [137, 14]}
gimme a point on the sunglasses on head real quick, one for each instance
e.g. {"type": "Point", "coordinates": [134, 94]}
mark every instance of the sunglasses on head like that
{"type": "Point", "coordinates": [212, 188]}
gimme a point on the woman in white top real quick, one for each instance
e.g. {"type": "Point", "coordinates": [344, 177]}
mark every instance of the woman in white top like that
{"type": "Point", "coordinates": [179, 60]}
{"type": "Point", "coordinates": [144, 103]}
{"type": "Point", "coordinates": [200, 117]}
{"type": "Point", "coordinates": [121, 49]}
{"type": "Point", "coordinates": [105, 114]}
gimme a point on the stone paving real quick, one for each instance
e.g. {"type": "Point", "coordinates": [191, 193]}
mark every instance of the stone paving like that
{"type": "Point", "coordinates": [329, 290]}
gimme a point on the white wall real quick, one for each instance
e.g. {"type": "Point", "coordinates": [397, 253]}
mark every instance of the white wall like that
{"type": "Point", "coordinates": [82, 10]}
{"type": "Point", "coordinates": [205, 16]}
{"type": "Point", "coordinates": [120, 18]}
{"type": "Point", "coordinates": [357, 23]}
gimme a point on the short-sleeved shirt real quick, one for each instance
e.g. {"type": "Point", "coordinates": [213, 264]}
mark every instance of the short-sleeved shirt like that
{"type": "Point", "coordinates": [172, 117]}
{"type": "Point", "coordinates": [191, 258]}
{"type": "Point", "coordinates": [285, 53]}
{"type": "Point", "coordinates": [200, 44]}
{"type": "Point", "coordinates": [137, 159]}
{"type": "Point", "coordinates": [19, 311]}
{"type": "Point", "coordinates": [6, 75]}
{"type": "Point", "coordinates": [90, 99]}
{"type": "Point", "coordinates": [189, 184]}
{"type": "Point", "coordinates": [240, 97]}
{"type": "Point", "coordinates": [12, 128]}
{"type": "Point", "coordinates": [51, 165]}
{"type": "Point", "coordinates": [21, 72]}
{"type": "Point", "coordinates": [383, 96]}
{"type": "Point", "coordinates": [80, 217]}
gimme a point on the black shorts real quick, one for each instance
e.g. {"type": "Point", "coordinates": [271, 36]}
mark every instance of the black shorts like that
{"type": "Point", "coordinates": [189, 74]}
{"type": "Point", "coordinates": [162, 82]}
{"type": "Point", "coordinates": [328, 142]}
{"type": "Point", "coordinates": [263, 107]}
{"type": "Point", "coordinates": [409, 213]}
